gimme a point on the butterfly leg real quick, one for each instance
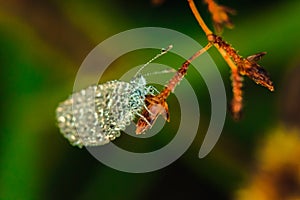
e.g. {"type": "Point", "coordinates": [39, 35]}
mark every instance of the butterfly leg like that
{"type": "Point", "coordinates": [144, 118]}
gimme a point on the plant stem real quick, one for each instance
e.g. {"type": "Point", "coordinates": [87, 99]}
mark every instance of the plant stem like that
{"type": "Point", "coordinates": [181, 72]}
{"type": "Point", "coordinates": [198, 17]}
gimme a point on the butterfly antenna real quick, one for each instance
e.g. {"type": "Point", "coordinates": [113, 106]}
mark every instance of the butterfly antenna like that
{"type": "Point", "coordinates": [166, 71]}
{"type": "Point", "coordinates": [163, 51]}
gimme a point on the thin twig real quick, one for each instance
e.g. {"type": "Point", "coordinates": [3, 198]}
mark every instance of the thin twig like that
{"type": "Point", "coordinates": [182, 72]}
{"type": "Point", "coordinates": [198, 17]}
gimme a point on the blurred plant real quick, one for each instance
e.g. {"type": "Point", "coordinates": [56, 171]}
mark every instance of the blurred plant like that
{"type": "Point", "coordinates": [277, 174]}
{"type": "Point", "coordinates": [220, 15]}
{"type": "Point", "coordinates": [157, 2]}
{"type": "Point", "coordinates": [239, 66]}
{"type": "Point", "coordinates": [290, 96]}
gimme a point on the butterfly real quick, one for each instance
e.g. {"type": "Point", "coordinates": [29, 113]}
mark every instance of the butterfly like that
{"type": "Point", "coordinates": [97, 114]}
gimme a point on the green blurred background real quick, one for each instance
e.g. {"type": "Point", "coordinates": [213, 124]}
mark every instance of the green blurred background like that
{"type": "Point", "coordinates": [43, 44]}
